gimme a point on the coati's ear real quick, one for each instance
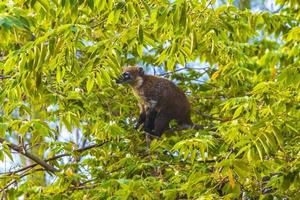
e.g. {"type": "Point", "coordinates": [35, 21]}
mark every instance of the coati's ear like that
{"type": "Point", "coordinates": [141, 71]}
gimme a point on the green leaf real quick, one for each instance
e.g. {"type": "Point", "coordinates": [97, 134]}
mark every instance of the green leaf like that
{"type": "Point", "coordinates": [250, 154]}
{"type": "Point", "coordinates": [138, 10]}
{"type": "Point", "coordinates": [67, 122]}
{"type": "Point", "coordinates": [146, 7]}
{"type": "Point", "coordinates": [105, 76]}
{"type": "Point", "coordinates": [90, 84]}
{"type": "Point", "coordinates": [171, 64]}
{"type": "Point", "coordinates": [1, 156]}
{"type": "Point", "coordinates": [111, 17]}
{"type": "Point", "coordinates": [100, 4]}
{"type": "Point", "coordinates": [140, 34]}
{"type": "Point", "coordinates": [238, 112]}
{"type": "Point", "coordinates": [3, 129]}
{"type": "Point", "coordinates": [24, 128]}
{"type": "Point", "coordinates": [193, 41]}
{"type": "Point", "coordinates": [58, 74]}
{"type": "Point", "coordinates": [90, 4]}
{"type": "Point", "coordinates": [140, 50]}
{"type": "Point", "coordinates": [259, 150]}
{"type": "Point", "coordinates": [242, 150]}
{"type": "Point", "coordinates": [278, 136]}
{"type": "Point", "coordinates": [130, 9]}
{"type": "Point", "coordinates": [183, 15]}
{"type": "Point", "coordinates": [7, 150]}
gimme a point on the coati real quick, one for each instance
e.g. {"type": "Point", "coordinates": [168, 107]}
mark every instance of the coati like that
{"type": "Point", "coordinates": [161, 101]}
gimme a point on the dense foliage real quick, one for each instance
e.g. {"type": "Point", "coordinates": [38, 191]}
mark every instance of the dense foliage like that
{"type": "Point", "coordinates": [58, 62]}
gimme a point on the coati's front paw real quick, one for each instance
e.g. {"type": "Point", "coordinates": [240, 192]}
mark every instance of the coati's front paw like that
{"type": "Point", "coordinates": [148, 130]}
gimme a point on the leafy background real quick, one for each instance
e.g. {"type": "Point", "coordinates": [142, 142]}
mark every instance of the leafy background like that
{"type": "Point", "coordinates": [66, 128]}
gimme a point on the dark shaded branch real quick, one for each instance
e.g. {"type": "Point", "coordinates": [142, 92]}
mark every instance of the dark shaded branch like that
{"type": "Point", "coordinates": [184, 68]}
{"type": "Point", "coordinates": [21, 176]}
{"type": "Point", "coordinates": [99, 23]}
{"type": "Point", "coordinates": [212, 117]}
{"type": "Point", "coordinates": [58, 156]}
{"type": "Point", "coordinates": [84, 187]}
{"type": "Point", "coordinates": [29, 155]}
{"type": "Point", "coordinates": [26, 173]}
{"type": "Point", "coordinates": [4, 77]}
{"type": "Point", "coordinates": [227, 156]}
{"type": "Point", "coordinates": [169, 73]}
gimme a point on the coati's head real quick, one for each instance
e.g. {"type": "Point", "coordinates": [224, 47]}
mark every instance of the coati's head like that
{"type": "Point", "coordinates": [132, 75]}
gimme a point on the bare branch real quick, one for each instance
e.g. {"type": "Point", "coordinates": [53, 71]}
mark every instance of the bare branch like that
{"type": "Point", "coordinates": [84, 187]}
{"type": "Point", "coordinates": [33, 157]}
{"type": "Point", "coordinates": [4, 77]}
{"type": "Point", "coordinates": [57, 157]}
{"type": "Point", "coordinates": [26, 173]}
{"type": "Point", "coordinates": [21, 176]}
{"type": "Point", "coordinates": [184, 68]}
{"type": "Point", "coordinates": [227, 156]}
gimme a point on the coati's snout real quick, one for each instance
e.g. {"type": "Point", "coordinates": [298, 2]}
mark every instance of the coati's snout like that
{"type": "Point", "coordinates": [130, 75]}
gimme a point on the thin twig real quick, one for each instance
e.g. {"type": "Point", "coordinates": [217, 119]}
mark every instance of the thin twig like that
{"type": "Point", "coordinates": [99, 23]}
{"type": "Point", "coordinates": [181, 69]}
{"type": "Point", "coordinates": [202, 11]}
{"type": "Point", "coordinates": [212, 117]}
{"type": "Point", "coordinates": [4, 77]}
{"type": "Point", "coordinates": [84, 187]}
{"type": "Point", "coordinates": [227, 156]}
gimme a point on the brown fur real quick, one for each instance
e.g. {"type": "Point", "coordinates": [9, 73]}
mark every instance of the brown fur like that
{"type": "Point", "coordinates": [161, 96]}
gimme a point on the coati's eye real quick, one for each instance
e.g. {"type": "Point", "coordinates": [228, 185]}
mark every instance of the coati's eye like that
{"type": "Point", "coordinates": [126, 75]}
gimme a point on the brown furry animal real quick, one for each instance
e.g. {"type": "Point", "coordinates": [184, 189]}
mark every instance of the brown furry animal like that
{"type": "Point", "coordinates": [161, 101]}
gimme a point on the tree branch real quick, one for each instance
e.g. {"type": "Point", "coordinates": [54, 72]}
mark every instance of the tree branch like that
{"type": "Point", "coordinates": [21, 176]}
{"type": "Point", "coordinates": [84, 187]}
{"type": "Point", "coordinates": [29, 155]}
{"type": "Point", "coordinates": [26, 173]}
{"type": "Point", "coordinates": [57, 157]}
{"type": "Point", "coordinates": [4, 77]}
{"type": "Point", "coordinates": [184, 68]}
{"type": "Point", "coordinates": [231, 150]}
{"type": "Point", "coordinates": [212, 117]}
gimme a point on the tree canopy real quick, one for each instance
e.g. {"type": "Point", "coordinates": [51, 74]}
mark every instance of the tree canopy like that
{"type": "Point", "coordinates": [66, 128]}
